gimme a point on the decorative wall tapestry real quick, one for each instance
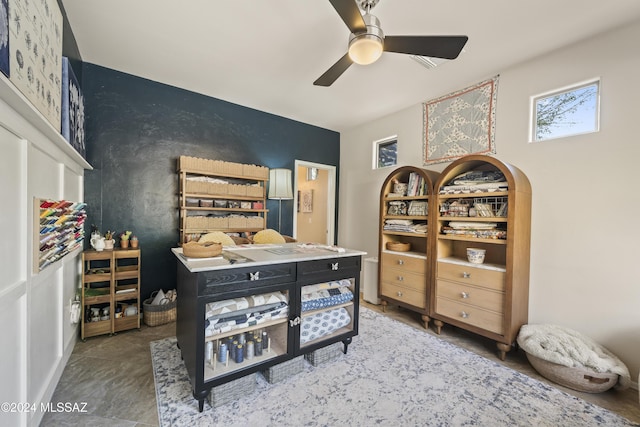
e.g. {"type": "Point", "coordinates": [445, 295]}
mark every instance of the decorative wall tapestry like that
{"type": "Point", "coordinates": [461, 123]}
{"type": "Point", "coordinates": [72, 108]}
{"type": "Point", "coordinates": [35, 32]}
{"type": "Point", "coordinates": [4, 37]}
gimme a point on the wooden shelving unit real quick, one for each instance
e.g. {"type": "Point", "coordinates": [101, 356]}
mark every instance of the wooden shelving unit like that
{"type": "Point", "coordinates": [110, 280]}
{"type": "Point", "coordinates": [492, 298]}
{"type": "Point", "coordinates": [220, 196]}
{"type": "Point", "coordinates": [405, 277]}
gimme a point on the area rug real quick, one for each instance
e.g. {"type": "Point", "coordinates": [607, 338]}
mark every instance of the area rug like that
{"type": "Point", "coordinates": [392, 375]}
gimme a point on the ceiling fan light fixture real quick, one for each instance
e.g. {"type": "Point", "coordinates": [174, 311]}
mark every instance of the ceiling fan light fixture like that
{"type": "Point", "coordinates": [365, 49]}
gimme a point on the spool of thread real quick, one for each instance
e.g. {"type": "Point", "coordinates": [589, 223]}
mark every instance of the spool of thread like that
{"type": "Point", "coordinates": [222, 353]}
{"type": "Point", "coordinates": [250, 350]}
{"type": "Point", "coordinates": [259, 347]}
{"type": "Point", "coordinates": [265, 340]}
{"type": "Point", "coordinates": [242, 339]}
{"type": "Point", "coordinates": [233, 349]}
{"type": "Point", "coordinates": [208, 353]}
{"type": "Point", "coordinates": [239, 354]}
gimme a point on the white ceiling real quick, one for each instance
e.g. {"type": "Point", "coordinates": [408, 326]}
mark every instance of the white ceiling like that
{"type": "Point", "coordinates": [267, 54]}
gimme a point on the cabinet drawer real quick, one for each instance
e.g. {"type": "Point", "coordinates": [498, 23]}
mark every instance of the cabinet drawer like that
{"type": "Point", "coordinates": [486, 278]}
{"type": "Point", "coordinates": [484, 319]}
{"type": "Point", "coordinates": [330, 266]}
{"type": "Point", "coordinates": [472, 295]}
{"type": "Point", "coordinates": [409, 296]}
{"type": "Point", "coordinates": [235, 279]}
{"type": "Point", "coordinates": [405, 279]}
{"type": "Point", "coordinates": [413, 264]}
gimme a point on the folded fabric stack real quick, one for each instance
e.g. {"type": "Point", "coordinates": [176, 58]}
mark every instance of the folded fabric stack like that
{"type": "Point", "coordinates": [325, 295]}
{"type": "Point", "coordinates": [323, 323]}
{"type": "Point", "coordinates": [476, 182]}
{"type": "Point", "coordinates": [227, 315]}
{"type": "Point", "coordinates": [483, 230]}
{"type": "Point", "coordinates": [405, 226]}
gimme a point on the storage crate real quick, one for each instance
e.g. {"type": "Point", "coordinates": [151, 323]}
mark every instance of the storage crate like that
{"type": "Point", "coordinates": [255, 222]}
{"type": "Point", "coordinates": [254, 190]}
{"type": "Point", "coordinates": [284, 370]}
{"type": "Point", "coordinates": [325, 354]}
{"type": "Point", "coordinates": [237, 222]}
{"type": "Point", "coordinates": [233, 390]}
{"type": "Point", "coordinates": [237, 189]}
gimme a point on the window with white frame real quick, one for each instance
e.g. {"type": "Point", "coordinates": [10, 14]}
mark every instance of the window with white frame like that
{"type": "Point", "coordinates": [385, 152]}
{"type": "Point", "coordinates": [569, 111]}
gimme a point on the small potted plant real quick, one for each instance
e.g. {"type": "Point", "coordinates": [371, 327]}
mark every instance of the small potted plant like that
{"type": "Point", "coordinates": [124, 239]}
{"type": "Point", "coordinates": [108, 240]}
{"type": "Point", "coordinates": [134, 241]}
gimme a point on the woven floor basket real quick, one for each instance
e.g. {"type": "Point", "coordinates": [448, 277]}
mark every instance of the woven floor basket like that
{"type": "Point", "coordinates": [156, 315]}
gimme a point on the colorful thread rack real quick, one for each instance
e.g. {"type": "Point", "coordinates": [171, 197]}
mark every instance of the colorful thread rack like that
{"type": "Point", "coordinates": [60, 230]}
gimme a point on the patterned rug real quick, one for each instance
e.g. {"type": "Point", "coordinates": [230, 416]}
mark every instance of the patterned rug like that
{"type": "Point", "coordinates": [392, 375]}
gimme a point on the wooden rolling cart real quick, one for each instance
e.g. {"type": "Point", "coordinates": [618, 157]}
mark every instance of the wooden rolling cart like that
{"type": "Point", "coordinates": [110, 280]}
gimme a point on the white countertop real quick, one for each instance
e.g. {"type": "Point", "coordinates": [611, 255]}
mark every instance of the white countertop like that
{"type": "Point", "coordinates": [254, 255]}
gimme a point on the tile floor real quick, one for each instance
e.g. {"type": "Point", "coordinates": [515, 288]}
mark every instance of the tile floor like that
{"type": "Point", "coordinates": [113, 375]}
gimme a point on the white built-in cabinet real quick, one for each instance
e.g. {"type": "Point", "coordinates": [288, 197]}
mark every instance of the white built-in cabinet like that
{"type": "Point", "coordinates": [38, 335]}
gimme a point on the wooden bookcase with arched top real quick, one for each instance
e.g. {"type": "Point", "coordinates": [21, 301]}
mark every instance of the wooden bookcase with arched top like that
{"type": "Point", "coordinates": [492, 298]}
{"type": "Point", "coordinates": [403, 244]}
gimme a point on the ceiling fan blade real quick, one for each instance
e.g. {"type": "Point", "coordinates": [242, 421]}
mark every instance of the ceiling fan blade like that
{"type": "Point", "coordinates": [350, 14]}
{"type": "Point", "coordinates": [447, 47]}
{"type": "Point", "coordinates": [336, 70]}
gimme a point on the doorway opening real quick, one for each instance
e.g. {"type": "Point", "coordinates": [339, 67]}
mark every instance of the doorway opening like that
{"type": "Point", "coordinates": [314, 197]}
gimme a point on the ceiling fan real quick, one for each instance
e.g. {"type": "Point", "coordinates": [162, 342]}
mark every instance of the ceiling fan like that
{"type": "Point", "coordinates": [367, 41]}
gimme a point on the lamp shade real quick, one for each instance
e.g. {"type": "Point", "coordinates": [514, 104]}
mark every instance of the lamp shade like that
{"type": "Point", "coordinates": [280, 184]}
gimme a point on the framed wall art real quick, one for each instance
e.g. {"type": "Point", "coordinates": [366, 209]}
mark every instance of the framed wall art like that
{"type": "Point", "coordinates": [35, 48]}
{"type": "Point", "coordinates": [4, 37]}
{"type": "Point", "coordinates": [461, 123]}
{"type": "Point", "coordinates": [72, 109]}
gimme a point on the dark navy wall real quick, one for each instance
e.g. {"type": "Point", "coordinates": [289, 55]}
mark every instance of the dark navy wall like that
{"type": "Point", "coordinates": [135, 131]}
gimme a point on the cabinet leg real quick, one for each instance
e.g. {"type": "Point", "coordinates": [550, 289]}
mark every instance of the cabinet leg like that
{"type": "Point", "coordinates": [503, 349]}
{"type": "Point", "coordinates": [425, 321]}
{"type": "Point", "coordinates": [346, 343]}
{"type": "Point", "coordinates": [438, 324]}
{"type": "Point", "coordinates": [200, 397]}
{"type": "Point", "coordinates": [384, 306]}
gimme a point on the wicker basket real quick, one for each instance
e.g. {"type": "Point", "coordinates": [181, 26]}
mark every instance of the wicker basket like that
{"type": "Point", "coordinates": [156, 315]}
{"type": "Point", "coordinates": [284, 370]}
{"type": "Point", "coordinates": [398, 246]}
{"type": "Point", "coordinates": [201, 250]}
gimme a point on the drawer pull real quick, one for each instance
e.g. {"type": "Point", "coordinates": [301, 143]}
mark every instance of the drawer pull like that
{"type": "Point", "coordinates": [334, 266]}
{"type": "Point", "coordinates": [464, 295]}
{"type": "Point", "coordinates": [400, 278]}
{"type": "Point", "coordinates": [466, 275]}
{"type": "Point", "coordinates": [464, 314]}
{"type": "Point", "coordinates": [399, 294]}
{"type": "Point", "coordinates": [400, 262]}
{"type": "Point", "coordinates": [254, 276]}
{"type": "Point", "coordinates": [295, 322]}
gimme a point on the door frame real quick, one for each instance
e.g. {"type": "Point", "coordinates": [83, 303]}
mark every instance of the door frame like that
{"type": "Point", "coordinates": [331, 197]}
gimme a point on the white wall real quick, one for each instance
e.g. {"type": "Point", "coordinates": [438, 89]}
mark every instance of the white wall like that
{"type": "Point", "coordinates": [38, 336]}
{"type": "Point", "coordinates": [586, 199]}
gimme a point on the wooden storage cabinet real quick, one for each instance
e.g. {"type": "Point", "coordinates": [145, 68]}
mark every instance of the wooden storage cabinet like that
{"type": "Point", "coordinates": [491, 298]}
{"type": "Point", "coordinates": [404, 273]}
{"type": "Point", "coordinates": [199, 288]}
{"type": "Point", "coordinates": [238, 205]}
{"type": "Point", "coordinates": [110, 280]}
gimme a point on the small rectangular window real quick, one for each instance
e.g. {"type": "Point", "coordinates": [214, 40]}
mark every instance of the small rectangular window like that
{"type": "Point", "coordinates": [569, 111]}
{"type": "Point", "coordinates": [385, 152]}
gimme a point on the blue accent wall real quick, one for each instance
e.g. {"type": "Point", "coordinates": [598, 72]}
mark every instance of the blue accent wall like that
{"type": "Point", "coordinates": [135, 131]}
